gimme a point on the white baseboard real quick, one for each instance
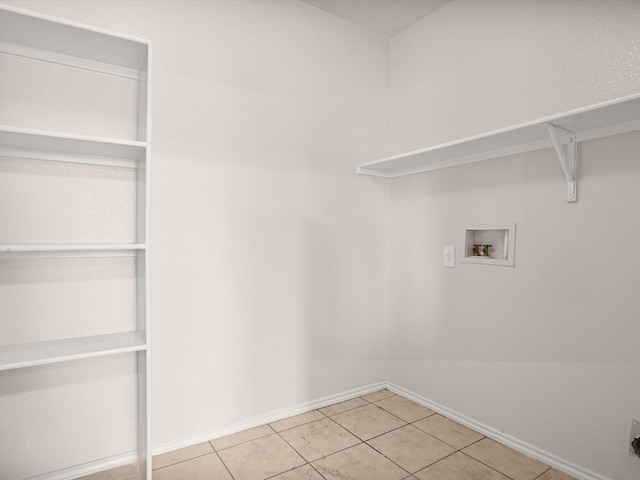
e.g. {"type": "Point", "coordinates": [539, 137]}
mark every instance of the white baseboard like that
{"type": "Point", "coordinates": [130, 458]}
{"type": "Point", "coordinates": [518, 445]}
{"type": "Point", "coordinates": [89, 468]}
{"type": "Point", "coordinates": [265, 418]}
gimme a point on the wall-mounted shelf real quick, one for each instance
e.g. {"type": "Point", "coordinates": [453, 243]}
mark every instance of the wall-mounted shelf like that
{"type": "Point", "coordinates": [601, 120]}
{"type": "Point", "coordinates": [69, 43]}
{"type": "Point", "coordinates": [70, 250]}
{"type": "Point", "coordinates": [39, 145]}
{"type": "Point", "coordinates": [68, 349]}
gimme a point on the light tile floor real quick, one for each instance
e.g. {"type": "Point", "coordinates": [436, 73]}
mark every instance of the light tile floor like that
{"type": "Point", "coordinates": [380, 436]}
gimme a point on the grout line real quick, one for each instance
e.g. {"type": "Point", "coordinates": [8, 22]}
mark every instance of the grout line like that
{"type": "Point", "coordinates": [441, 440]}
{"type": "Point", "coordinates": [392, 414]}
{"type": "Point", "coordinates": [347, 409]}
{"type": "Point", "coordinates": [540, 476]}
{"type": "Point", "coordinates": [363, 440]}
{"type": "Point", "coordinates": [392, 461]}
{"type": "Point", "coordinates": [359, 439]}
{"type": "Point", "coordinates": [224, 464]}
{"type": "Point", "coordinates": [286, 471]}
{"type": "Point", "coordinates": [296, 468]}
{"type": "Point", "coordinates": [456, 450]}
{"type": "Point", "coordinates": [300, 425]}
{"type": "Point", "coordinates": [391, 394]}
{"type": "Point", "coordinates": [382, 434]}
{"type": "Point", "coordinates": [180, 461]}
{"type": "Point", "coordinates": [265, 418]}
{"type": "Point", "coordinates": [574, 471]}
{"type": "Point", "coordinates": [316, 470]}
{"type": "Point", "coordinates": [353, 446]}
{"type": "Point", "coordinates": [473, 443]}
{"type": "Point", "coordinates": [246, 441]}
{"type": "Point", "coordinates": [431, 464]}
{"type": "Point", "coordinates": [488, 466]}
{"type": "Point", "coordinates": [338, 451]}
{"type": "Point", "coordinates": [293, 448]}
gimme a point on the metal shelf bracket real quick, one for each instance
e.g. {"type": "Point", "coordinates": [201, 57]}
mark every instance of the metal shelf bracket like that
{"type": "Point", "coordinates": [568, 162]}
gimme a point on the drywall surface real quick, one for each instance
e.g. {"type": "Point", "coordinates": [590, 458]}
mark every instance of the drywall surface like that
{"type": "Point", "coordinates": [269, 272]}
{"type": "Point", "coordinates": [546, 351]}
{"type": "Point", "coordinates": [473, 67]}
{"type": "Point", "coordinates": [273, 262]}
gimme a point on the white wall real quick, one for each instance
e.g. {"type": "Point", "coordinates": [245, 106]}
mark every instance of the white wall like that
{"type": "Point", "coordinates": [269, 271]}
{"type": "Point", "coordinates": [547, 351]}
{"type": "Point", "coordinates": [271, 258]}
{"type": "Point", "coordinates": [476, 66]}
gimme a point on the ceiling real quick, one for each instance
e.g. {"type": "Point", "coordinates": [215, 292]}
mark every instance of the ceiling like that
{"type": "Point", "coordinates": [384, 16]}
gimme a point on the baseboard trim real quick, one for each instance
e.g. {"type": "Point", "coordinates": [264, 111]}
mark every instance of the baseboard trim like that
{"type": "Point", "coordinates": [183, 442]}
{"type": "Point", "coordinates": [89, 468]}
{"type": "Point", "coordinates": [130, 458]}
{"type": "Point", "coordinates": [518, 445]}
{"type": "Point", "coordinates": [190, 440]}
{"type": "Point", "coordinates": [265, 418]}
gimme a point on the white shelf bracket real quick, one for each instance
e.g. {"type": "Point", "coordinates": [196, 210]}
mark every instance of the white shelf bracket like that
{"type": "Point", "coordinates": [569, 162]}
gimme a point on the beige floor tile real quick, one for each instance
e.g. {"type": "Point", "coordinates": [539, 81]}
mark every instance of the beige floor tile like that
{"type": "Point", "coordinates": [297, 420]}
{"type": "Point", "coordinates": [114, 473]}
{"type": "Point", "coordinates": [448, 431]}
{"type": "Point", "coordinates": [404, 408]}
{"type": "Point", "coordinates": [459, 467]}
{"type": "Point", "coordinates": [553, 474]}
{"type": "Point", "coordinates": [411, 448]}
{"type": "Point", "coordinates": [368, 421]}
{"type": "Point", "coordinates": [318, 439]}
{"type": "Point", "coordinates": [181, 455]}
{"type": "Point", "coordinates": [206, 467]}
{"type": "Point", "coordinates": [261, 458]}
{"type": "Point", "coordinates": [343, 406]}
{"type": "Point", "coordinates": [359, 463]}
{"type": "Point", "coordinates": [379, 395]}
{"type": "Point", "coordinates": [513, 464]}
{"type": "Point", "coordinates": [301, 473]}
{"type": "Point", "coordinates": [242, 437]}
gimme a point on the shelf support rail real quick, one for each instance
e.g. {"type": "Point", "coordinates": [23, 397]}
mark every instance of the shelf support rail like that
{"type": "Point", "coordinates": [568, 162]}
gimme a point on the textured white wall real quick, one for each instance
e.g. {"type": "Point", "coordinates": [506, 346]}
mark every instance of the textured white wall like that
{"type": "Point", "coordinates": [269, 275]}
{"type": "Point", "coordinates": [270, 282]}
{"type": "Point", "coordinates": [547, 351]}
{"type": "Point", "coordinates": [476, 66]}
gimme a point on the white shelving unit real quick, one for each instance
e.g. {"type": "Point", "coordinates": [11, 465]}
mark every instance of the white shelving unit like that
{"type": "Point", "coordinates": [569, 128]}
{"type": "Point", "coordinates": [41, 37]}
